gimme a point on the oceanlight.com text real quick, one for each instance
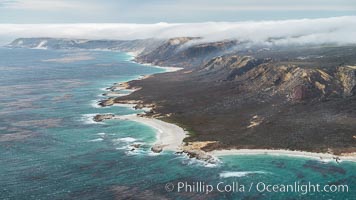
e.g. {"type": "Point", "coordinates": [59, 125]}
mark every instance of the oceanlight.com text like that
{"type": "Point", "coordinates": [261, 187]}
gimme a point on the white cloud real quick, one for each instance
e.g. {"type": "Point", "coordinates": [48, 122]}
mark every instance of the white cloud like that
{"type": "Point", "coordinates": [340, 30]}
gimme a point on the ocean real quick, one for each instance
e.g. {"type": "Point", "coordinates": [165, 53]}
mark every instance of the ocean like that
{"type": "Point", "coordinates": [50, 148]}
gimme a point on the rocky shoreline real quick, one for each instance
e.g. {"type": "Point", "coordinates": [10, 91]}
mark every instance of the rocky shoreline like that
{"type": "Point", "coordinates": [192, 150]}
{"type": "Point", "coordinates": [147, 114]}
{"type": "Point", "coordinates": [197, 149]}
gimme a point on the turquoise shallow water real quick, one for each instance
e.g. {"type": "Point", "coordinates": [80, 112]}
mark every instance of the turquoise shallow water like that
{"type": "Point", "coordinates": [56, 152]}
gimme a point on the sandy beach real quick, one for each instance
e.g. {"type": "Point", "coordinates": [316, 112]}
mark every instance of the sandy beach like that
{"type": "Point", "coordinates": [167, 69]}
{"type": "Point", "coordinates": [319, 156]}
{"type": "Point", "coordinates": [169, 136]}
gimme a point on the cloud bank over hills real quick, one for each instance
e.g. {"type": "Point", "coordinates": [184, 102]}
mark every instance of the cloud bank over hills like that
{"type": "Point", "coordinates": [339, 30]}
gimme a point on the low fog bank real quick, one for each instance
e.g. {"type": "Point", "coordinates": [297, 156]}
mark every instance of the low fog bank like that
{"type": "Point", "coordinates": [337, 30]}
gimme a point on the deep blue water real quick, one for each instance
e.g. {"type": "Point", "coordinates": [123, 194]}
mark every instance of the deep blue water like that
{"type": "Point", "coordinates": [50, 149]}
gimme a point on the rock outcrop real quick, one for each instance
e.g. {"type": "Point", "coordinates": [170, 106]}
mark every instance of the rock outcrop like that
{"type": "Point", "coordinates": [102, 117]}
{"type": "Point", "coordinates": [157, 148]}
{"type": "Point", "coordinates": [107, 102]}
{"type": "Point", "coordinates": [195, 150]}
{"type": "Point", "coordinates": [347, 77]}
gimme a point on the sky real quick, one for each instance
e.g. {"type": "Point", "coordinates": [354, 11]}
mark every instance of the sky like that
{"type": "Point", "coordinates": [170, 11]}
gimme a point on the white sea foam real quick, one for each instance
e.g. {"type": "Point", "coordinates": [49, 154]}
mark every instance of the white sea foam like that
{"type": "Point", "coordinates": [97, 140]}
{"type": "Point", "coordinates": [133, 152]}
{"type": "Point", "coordinates": [104, 89]}
{"type": "Point", "coordinates": [228, 174]}
{"type": "Point", "coordinates": [130, 149]}
{"type": "Point", "coordinates": [88, 119]}
{"type": "Point", "coordinates": [126, 139]}
{"type": "Point", "coordinates": [121, 148]}
{"type": "Point", "coordinates": [140, 77]}
{"type": "Point", "coordinates": [193, 161]}
{"type": "Point", "coordinates": [95, 104]}
{"type": "Point", "coordinates": [101, 134]}
{"type": "Point", "coordinates": [151, 153]}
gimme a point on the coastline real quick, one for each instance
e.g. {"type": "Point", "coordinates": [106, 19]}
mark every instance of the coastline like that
{"type": "Point", "coordinates": [133, 55]}
{"type": "Point", "coordinates": [170, 136]}
{"type": "Point", "coordinates": [325, 157]}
